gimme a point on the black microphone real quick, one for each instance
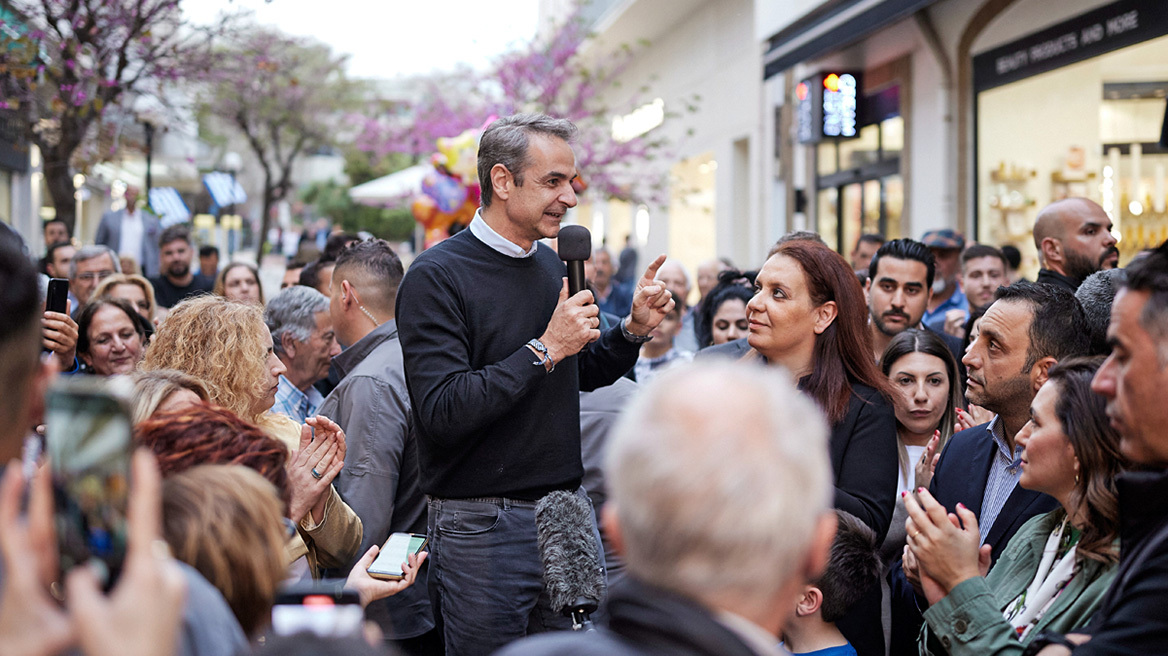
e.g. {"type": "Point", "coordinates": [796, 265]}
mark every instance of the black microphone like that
{"type": "Point", "coordinates": [575, 246]}
{"type": "Point", "coordinates": [571, 557]}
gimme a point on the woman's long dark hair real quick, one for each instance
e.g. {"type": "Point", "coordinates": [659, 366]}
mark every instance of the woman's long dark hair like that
{"type": "Point", "coordinates": [731, 284]}
{"type": "Point", "coordinates": [914, 340]}
{"type": "Point", "coordinates": [1083, 415]}
{"type": "Point", "coordinates": [843, 352]}
{"type": "Point", "coordinates": [90, 309]}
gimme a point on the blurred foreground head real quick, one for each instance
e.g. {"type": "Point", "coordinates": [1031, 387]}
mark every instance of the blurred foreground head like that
{"type": "Point", "coordinates": [721, 485]}
{"type": "Point", "coordinates": [20, 339]}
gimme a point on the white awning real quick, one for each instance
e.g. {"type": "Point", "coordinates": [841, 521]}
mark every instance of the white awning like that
{"type": "Point", "coordinates": [393, 187]}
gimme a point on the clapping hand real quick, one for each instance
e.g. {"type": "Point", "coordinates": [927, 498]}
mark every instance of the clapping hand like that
{"type": "Point", "coordinates": [313, 466]}
{"type": "Point", "coordinates": [944, 544]}
{"type": "Point", "coordinates": [927, 465]}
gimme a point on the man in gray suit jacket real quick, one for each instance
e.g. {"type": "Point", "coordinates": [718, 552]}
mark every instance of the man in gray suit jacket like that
{"type": "Point", "coordinates": [132, 232]}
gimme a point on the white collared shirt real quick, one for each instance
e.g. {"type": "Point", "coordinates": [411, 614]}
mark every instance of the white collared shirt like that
{"type": "Point", "coordinates": [131, 239]}
{"type": "Point", "coordinates": [487, 235]}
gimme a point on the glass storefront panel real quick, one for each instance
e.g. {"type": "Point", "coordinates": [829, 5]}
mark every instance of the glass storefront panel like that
{"type": "Point", "coordinates": [825, 159]}
{"type": "Point", "coordinates": [893, 206]}
{"type": "Point", "coordinates": [852, 213]}
{"type": "Point", "coordinates": [865, 149]}
{"type": "Point", "coordinates": [828, 216]}
{"type": "Point", "coordinates": [1047, 137]}
{"type": "Point", "coordinates": [892, 136]}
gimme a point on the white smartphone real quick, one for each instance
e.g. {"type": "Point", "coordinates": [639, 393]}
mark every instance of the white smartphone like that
{"type": "Point", "coordinates": [388, 564]}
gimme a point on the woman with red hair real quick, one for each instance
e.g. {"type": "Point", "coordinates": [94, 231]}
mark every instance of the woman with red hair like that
{"type": "Point", "coordinates": [808, 315]}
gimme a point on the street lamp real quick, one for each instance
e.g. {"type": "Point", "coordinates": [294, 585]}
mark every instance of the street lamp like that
{"type": "Point", "coordinates": [149, 113]}
{"type": "Point", "coordinates": [232, 163]}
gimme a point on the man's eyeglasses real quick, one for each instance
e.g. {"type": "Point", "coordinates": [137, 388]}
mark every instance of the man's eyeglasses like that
{"type": "Point", "coordinates": [95, 275]}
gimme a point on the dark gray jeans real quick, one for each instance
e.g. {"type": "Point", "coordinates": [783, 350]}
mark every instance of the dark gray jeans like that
{"type": "Point", "coordinates": [486, 577]}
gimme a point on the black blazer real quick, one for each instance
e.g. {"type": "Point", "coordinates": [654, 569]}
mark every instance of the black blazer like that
{"type": "Point", "coordinates": [961, 476]}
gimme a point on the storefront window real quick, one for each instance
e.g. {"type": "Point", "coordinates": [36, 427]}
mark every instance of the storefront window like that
{"type": "Point", "coordinates": [892, 136]}
{"type": "Point", "coordinates": [826, 158]}
{"type": "Point", "coordinates": [828, 209]}
{"type": "Point", "coordinates": [865, 193]}
{"type": "Point", "coordinates": [854, 153]}
{"type": "Point", "coordinates": [1089, 129]}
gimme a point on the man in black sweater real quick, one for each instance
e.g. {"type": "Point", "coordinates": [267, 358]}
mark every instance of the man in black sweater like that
{"type": "Point", "coordinates": [496, 353]}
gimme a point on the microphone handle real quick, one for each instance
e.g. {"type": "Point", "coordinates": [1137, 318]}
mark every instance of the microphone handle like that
{"type": "Point", "coordinates": [575, 276]}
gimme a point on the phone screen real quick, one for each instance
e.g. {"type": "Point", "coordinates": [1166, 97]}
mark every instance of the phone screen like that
{"type": "Point", "coordinates": [393, 554]}
{"type": "Point", "coordinates": [88, 434]}
{"type": "Point", "coordinates": [321, 614]}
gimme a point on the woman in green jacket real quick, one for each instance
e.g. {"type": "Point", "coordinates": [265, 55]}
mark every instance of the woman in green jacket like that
{"type": "Point", "coordinates": [1056, 569]}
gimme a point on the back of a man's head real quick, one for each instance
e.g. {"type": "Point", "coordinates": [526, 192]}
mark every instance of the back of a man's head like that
{"type": "Point", "coordinates": [374, 268]}
{"type": "Point", "coordinates": [20, 339]}
{"type": "Point", "coordinates": [1058, 326]}
{"type": "Point", "coordinates": [1096, 295]}
{"type": "Point", "coordinates": [719, 475]}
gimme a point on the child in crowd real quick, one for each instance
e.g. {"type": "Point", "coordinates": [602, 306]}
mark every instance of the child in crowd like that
{"type": "Point", "coordinates": [853, 567]}
{"type": "Point", "coordinates": [658, 354]}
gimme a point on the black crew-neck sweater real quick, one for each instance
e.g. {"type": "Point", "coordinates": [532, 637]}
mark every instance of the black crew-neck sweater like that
{"type": "Point", "coordinates": [490, 423]}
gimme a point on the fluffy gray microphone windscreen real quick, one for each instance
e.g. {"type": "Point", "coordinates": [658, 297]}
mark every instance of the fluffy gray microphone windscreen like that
{"type": "Point", "coordinates": [571, 557]}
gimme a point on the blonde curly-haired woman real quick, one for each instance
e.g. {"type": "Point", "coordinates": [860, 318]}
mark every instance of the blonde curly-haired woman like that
{"type": "Point", "coordinates": [227, 345]}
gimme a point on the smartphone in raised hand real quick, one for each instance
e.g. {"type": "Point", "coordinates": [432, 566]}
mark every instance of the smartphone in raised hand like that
{"type": "Point", "coordinates": [88, 440]}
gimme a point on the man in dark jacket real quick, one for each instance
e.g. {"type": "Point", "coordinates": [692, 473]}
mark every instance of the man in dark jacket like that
{"type": "Point", "coordinates": [380, 478]}
{"type": "Point", "coordinates": [704, 466]}
{"type": "Point", "coordinates": [1131, 619]}
{"type": "Point", "coordinates": [1073, 238]}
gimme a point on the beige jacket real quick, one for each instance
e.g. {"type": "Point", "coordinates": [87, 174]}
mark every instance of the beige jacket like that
{"type": "Point", "coordinates": [334, 542]}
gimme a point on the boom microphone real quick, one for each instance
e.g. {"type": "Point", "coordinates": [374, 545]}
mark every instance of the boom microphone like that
{"type": "Point", "coordinates": [575, 246]}
{"type": "Point", "coordinates": [571, 557]}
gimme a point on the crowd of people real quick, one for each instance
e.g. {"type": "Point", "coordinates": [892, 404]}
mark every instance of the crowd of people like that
{"type": "Point", "coordinates": [908, 451]}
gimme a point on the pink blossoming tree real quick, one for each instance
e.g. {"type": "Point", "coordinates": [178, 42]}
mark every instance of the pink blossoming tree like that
{"type": "Point", "coordinates": [68, 67]}
{"type": "Point", "coordinates": [285, 95]}
{"type": "Point", "coordinates": [557, 75]}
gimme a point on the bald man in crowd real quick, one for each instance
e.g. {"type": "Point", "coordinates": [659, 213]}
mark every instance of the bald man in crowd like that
{"type": "Point", "coordinates": [1074, 240]}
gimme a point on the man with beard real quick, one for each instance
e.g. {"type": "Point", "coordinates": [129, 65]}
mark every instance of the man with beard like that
{"type": "Point", "coordinates": [1131, 619]}
{"type": "Point", "coordinates": [1074, 240]}
{"type": "Point", "coordinates": [948, 298]}
{"type": "Point", "coordinates": [1028, 328]}
{"type": "Point", "coordinates": [177, 282]}
{"type": "Point", "coordinates": [900, 278]}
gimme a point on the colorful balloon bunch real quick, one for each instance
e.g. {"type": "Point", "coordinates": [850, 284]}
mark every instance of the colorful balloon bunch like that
{"type": "Point", "coordinates": [450, 193]}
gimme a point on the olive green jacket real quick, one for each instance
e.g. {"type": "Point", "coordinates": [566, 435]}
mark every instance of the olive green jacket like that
{"type": "Point", "coordinates": [969, 622]}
